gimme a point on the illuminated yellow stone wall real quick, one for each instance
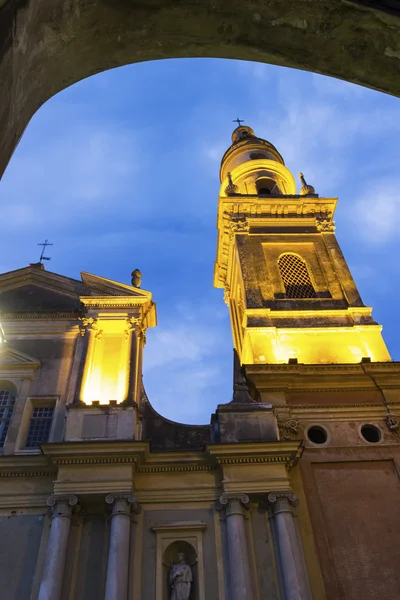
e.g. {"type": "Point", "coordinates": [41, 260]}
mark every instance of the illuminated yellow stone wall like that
{"type": "Point", "coordinates": [255, 228]}
{"type": "Point", "coordinates": [314, 345]}
{"type": "Point", "coordinates": [107, 365]}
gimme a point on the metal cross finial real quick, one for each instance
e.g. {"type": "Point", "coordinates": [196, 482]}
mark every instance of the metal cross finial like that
{"type": "Point", "coordinates": [238, 121]}
{"type": "Point", "coordinates": [44, 244]}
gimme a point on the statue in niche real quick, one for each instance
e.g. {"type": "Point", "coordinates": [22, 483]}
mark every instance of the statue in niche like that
{"type": "Point", "coordinates": [180, 579]}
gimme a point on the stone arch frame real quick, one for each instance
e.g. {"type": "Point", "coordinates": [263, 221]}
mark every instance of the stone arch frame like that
{"type": "Point", "coordinates": [46, 47]}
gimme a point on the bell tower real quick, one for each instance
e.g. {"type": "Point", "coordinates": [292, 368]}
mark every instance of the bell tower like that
{"type": "Point", "coordinates": [290, 293]}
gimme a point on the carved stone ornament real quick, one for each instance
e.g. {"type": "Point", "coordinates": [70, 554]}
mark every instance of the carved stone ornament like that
{"type": "Point", "coordinates": [62, 505]}
{"type": "Point", "coordinates": [289, 429]}
{"type": "Point", "coordinates": [227, 294]}
{"type": "Point", "coordinates": [136, 280]}
{"type": "Point", "coordinates": [324, 222]}
{"type": "Point", "coordinates": [239, 225]}
{"type": "Point", "coordinates": [233, 504]}
{"type": "Point", "coordinates": [231, 188]}
{"type": "Point", "coordinates": [282, 502]}
{"type": "Point", "coordinates": [92, 324]}
{"type": "Point", "coordinates": [122, 504]}
{"type": "Point", "coordinates": [136, 324]}
{"type": "Point", "coordinates": [306, 190]}
{"type": "Point", "coordinates": [392, 423]}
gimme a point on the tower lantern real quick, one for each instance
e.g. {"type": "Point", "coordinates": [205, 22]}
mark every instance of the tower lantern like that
{"type": "Point", "coordinates": [290, 293]}
{"type": "Point", "coordinates": [255, 165]}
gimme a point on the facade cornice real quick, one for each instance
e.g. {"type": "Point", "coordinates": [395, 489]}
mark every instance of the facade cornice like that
{"type": "Point", "coordinates": [41, 316]}
{"type": "Point", "coordinates": [114, 301]}
{"type": "Point", "coordinates": [125, 453]}
{"type": "Point", "coordinates": [286, 452]}
{"type": "Point", "coordinates": [357, 377]}
{"type": "Point", "coordinates": [26, 473]}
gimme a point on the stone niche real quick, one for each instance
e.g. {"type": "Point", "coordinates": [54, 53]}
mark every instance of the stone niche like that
{"type": "Point", "coordinates": [100, 423]}
{"type": "Point", "coordinates": [179, 537]}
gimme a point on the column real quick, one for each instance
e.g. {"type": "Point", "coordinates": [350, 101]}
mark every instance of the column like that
{"type": "Point", "coordinates": [294, 573]}
{"type": "Point", "coordinates": [238, 554]}
{"type": "Point", "coordinates": [118, 549]}
{"type": "Point", "coordinates": [53, 569]}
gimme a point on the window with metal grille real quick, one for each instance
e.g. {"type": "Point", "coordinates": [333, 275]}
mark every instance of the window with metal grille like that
{"type": "Point", "coordinates": [39, 426]}
{"type": "Point", "coordinates": [296, 277]}
{"type": "Point", "coordinates": [7, 401]}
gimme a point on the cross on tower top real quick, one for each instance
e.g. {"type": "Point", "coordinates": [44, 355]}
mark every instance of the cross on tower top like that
{"type": "Point", "coordinates": [238, 121]}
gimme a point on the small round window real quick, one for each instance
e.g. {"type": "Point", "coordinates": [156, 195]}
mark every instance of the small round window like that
{"type": "Point", "coordinates": [317, 434]}
{"type": "Point", "coordinates": [371, 433]}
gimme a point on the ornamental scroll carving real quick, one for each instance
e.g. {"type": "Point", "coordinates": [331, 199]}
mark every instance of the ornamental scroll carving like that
{"type": "Point", "coordinates": [136, 324]}
{"type": "Point", "coordinates": [289, 429]}
{"type": "Point", "coordinates": [282, 502]}
{"type": "Point", "coordinates": [90, 324]}
{"type": "Point", "coordinates": [236, 224]}
{"type": "Point", "coordinates": [233, 504]}
{"type": "Point", "coordinates": [227, 294]}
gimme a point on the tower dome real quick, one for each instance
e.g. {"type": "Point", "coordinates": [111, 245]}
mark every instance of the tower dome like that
{"type": "Point", "coordinates": [253, 166]}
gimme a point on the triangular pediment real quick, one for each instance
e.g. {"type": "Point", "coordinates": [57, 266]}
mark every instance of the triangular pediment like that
{"type": "Point", "coordinates": [11, 357]}
{"type": "Point", "coordinates": [33, 288]}
{"type": "Point", "coordinates": [100, 286]}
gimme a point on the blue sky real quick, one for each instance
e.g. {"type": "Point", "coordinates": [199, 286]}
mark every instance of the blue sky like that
{"type": "Point", "coordinates": [120, 171]}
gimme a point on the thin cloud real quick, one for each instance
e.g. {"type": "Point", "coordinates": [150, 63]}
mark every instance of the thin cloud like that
{"type": "Point", "coordinates": [377, 211]}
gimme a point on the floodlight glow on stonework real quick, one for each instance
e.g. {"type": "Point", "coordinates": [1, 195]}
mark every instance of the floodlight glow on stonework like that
{"type": "Point", "coordinates": [106, 369]}
{"type": "Point", "coordinates": [2, 335]}
{"type": "Point", "coordinates": [310, 309]}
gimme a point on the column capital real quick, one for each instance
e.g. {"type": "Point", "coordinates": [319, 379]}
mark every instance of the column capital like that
{"type": "Point", "coordinates": [122, 504]}
{"type": "Point", "coordinates": [234, 504]}
{"type": "Point", "coordinates": [61, 506]}
{"type": "Point", "coordinates": [282, 502]}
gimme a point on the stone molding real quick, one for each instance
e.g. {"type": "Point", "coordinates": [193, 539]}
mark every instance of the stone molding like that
{"type": "Point", "coordinates": [90, 324]}
{"type": "Point", "coordinates": [61, 506]}
{"type": "Point", "coordinates": [122, 504]}
{"type": "Point", "coordinates": [47, 316]}
{"type": "Point", "coordinates": [282, 502]}
{"type": "Point", "coordinates": [51, 473]}
{"type": "Point", "coordinates": [136, 324]}
{"type": "Point", "coordinates": [234, 504]}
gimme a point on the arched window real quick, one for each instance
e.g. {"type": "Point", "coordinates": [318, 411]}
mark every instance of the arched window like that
{"type": "Point", "coordinates": [296, 277]}
{"type": "Point", "coordinates": [266, 186]}
{"type": "Point", "coordinates": [7, 401]}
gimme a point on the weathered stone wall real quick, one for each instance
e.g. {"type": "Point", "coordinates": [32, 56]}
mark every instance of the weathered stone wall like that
{"type": "Point", "coordinates": [20, 537]}
{"type": "Point", "coordinates": [354, 509]}
{"type": "Point", "coordinates": [45, 47]}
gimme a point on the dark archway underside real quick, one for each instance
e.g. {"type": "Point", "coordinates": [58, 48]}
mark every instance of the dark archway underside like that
{"type": "Point", "coordinates": [47, 46]}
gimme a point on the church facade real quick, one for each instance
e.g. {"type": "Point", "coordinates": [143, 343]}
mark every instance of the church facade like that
{"type": "Point", "coordinates": [291, 492]}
